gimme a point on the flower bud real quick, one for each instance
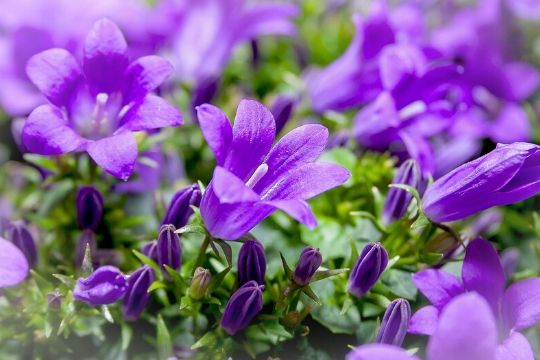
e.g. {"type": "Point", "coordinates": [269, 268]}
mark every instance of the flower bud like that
{"type": "Point", "coordinates": [251, 262]}
{"type": "Point", "coordinates": [368, 268]}
{"type": "Point", "coordinates": [137, 296]}
{"type": "Point", "coordinates": [179, 209]}
{"type": "Point", "coordinates": [510, 261]}
{"type": "Point", "coordinates": [19, 234]}
{"type": "Point", "coordinates": [282, 109]}
{"type": "Point", "coordinates": [87, 238]}
{"type": "Point", "coordinates": [199, 283]}
{"type": "Point", "coordinates": [242, 307]}
{"type": "Point", "coordinates": [169, 248]}
{"type": "Point", "coordinates": [309, 261]}
{"type": "Point", "coordinates": [103, 286]}
{"type": "Point", "coordinates": [54, 299]}
{"type": "Point", "coordinates": [89, 207]}
{"type": "Point", "coordinates": [395, 323]}
{"type": "Point", "coordinates": [398, 200]}
{"type": "Point", "coordinates": [150, 250]}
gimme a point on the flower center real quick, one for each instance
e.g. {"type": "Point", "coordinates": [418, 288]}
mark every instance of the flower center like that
{"type": "Point", "coordinates": [411, 110]}
{"type": "Point", "coordinates": [257, 175]}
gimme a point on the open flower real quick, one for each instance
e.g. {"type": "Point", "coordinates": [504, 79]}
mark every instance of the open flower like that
{"type": "Point", "coordinates": [97, 107]}
{"type": "Point", "coordinates": [254, 178]}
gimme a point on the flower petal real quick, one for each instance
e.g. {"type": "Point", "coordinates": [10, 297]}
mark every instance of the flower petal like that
{"type": "Point", "coordinates": [230, 189]}
{"type": "Point", "coordinates": [525, 79]}
{"type": "Point", "coordinates": [466, 331]}
{"type": "Point", "coordinates": [47, 132]}
{"type": "Point", "coordinates": [57, 75]}
{"type": "Point", "coordinates": [298, 209]}
{"type": "Point", "coordinates": [379, 352]}
{"type": "Point", "coordinates": [151, 113]}
{"type": "Point", "coordinates": [424, 321]}
{"type": "Point", "coordinates": [512, 124]}
{"type": "Point", "coordinates": [13, 264]}
{"type": "Point", "coordinates": [482, 271]}
{"type": "Point", "coordinates": [216, 129]}
{"type": "Point", "coordinates": [438, 286]}
{"type": "Point", "coordinates": [145, 75]}
{"type": "Point", "coordinates": [515, 347]}
{"type": "Point", "coordinates": [116, 154]}
{"type": "Point", "coordinates": [266, 19]}
{"type": "Point", "coordinates": [520, 308]}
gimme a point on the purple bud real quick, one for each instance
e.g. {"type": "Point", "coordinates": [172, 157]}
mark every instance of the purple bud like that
{"type": "Point", "coordinates": [309, 261]}
{"type": "Point", "coordinates": [87, 238]}
{"type": "Point", "coordinates": [19, 234]}
{"type": "Point", "coordinates": [204, 93]}
{"type": "Point", "coordinates": [243, 306]}
{"type": "Point", "coordinates": [251, 262]}
{"type": "Point", "coordinates": [169, 248]}
{"type": "Point", "coordinates": [150, 250]}
{"type": "Point", "coordinates": [510, 261]}
{"type": "Point", "coordinates": [137, 296]}
{"type": "Point", "coordinates": [199, 283]}
{"type": "Point", "coordinates": [395, 323]}
{"type": "Point", "coordinates": [282, 109]}
{"type": "Point", "coordinates": [368, 268]}
{"type": "Point", "coordinates": [103, 286]}
{"type": "Point", "coordinates": [398, 200]}
{"type": "Point", "coordinates": [179, 209]}
{"type": "Point", "coordinates": [89, 207]}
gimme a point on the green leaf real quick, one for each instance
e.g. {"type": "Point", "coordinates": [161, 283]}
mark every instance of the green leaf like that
{"type": "Point", "coordinates": [286, 267]}
{"type": "Point", "coordinates": [87, 267]}
{"type": "Point", "coordinates": [189, 229]}
{"type": "Point", "coordinates": [324, 274]}
{"type": "Point", "coordinates": [330, 316]}
{"type": "Point", "coordinates": [54, 196]}
{"type": "Point", "coordinates": [157, 285]}
{"type": "Point", "coordinates": [207, 340]}
{"type": "Point", "coordinates": [147, 261]}
{"type": "Point", "coordinates": [127, 335]}
{"type": "Point", "coordinates": [217, 280]}
{"type": "Point", "coordinates": [164, 344]}
{"type": "Point", "coordinates": [309, 292]}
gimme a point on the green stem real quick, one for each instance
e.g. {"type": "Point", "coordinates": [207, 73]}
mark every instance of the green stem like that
{"type": "Point", "coordinates": [202, 252]}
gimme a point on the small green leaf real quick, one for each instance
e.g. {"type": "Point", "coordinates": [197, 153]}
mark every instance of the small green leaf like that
{"type": "Point", "coordinates": [324, 274]}
{"type": "Point", "coordinates": [217, 280]}
{"type": "Point", "coordinates": [157, 285]}
{"type": "Point", "coordinates": [127, 335]}
{"type": "Point", "coordinates": [190, 229]}
{"type": "Point", "coordinates": [207, 340]}
{"type": "Point", "coordinates": [286, 267]}
{"type": "Point", "coordinates": [164, 344]}
{"type": "Point", "coordinates": [147, 261]}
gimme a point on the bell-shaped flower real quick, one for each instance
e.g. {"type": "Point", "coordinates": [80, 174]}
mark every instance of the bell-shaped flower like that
{"type": "Point", "coordinates": [104, 286]}
{"type": "Point", "coordinates": [169, 247]}
{"type": "Point", "coordinates": [254, 178]}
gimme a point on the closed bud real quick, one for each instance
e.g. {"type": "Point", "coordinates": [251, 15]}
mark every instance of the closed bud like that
{"type": "Point", "coordinates": [368, 268]}
{"type": "Point", "coordinates": [104, 286]}
{"type": "Point", "coordinates": [150, 250]}
{"type": "Point", "coordinates": [243, 306]}
{"type": "Point", "coordinates": [87, 238]}
{"type": "Point", "coordinates": [398, 200]}
{"type": "Point", "coordinates": [19, 234]}
{"type": "Point", "coordinates": [282, 109]}
{"type": "Point", "coordinates": [179, 209]}
{"type": "Point", "coordinates": [137, 295]}
{"type": "Point", "coordinates": [308, 263]}
{"type": "Point", "coordinates": [199, 283]}
{"type": "Point", "coordinates": [251, 262]}
{"type": "Point", "coordinates": [89, 208]}
{"type": "Point", "coordinates": [169, 248]}
{"type": "Point", "coordinates": [395, 323]}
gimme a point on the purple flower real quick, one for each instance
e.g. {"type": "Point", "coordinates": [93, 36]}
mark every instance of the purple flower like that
{"type": "Point", "coordinates": [13, 264]}
{"type": "Point", "coordinates": [97, 108]}
{"type": "Point", "coordinates": [368, 268]}
{"type": "Point", "coordinates": [104, 286]}
{"type": "Point", "coordinates": [19, 234]}
{"type": "Point", "coordinates": [251, 262]}
{"type": "Point", "coordinates": [309, 261]}
{"type": "Point", "coordinates": [136, 296]}
{"type": "Point", "coordinates": [242, 307]}
{"type": "Point", "coordinates": [169, 247]}
{"type": "Point", "coordinates": [252, 178]}
{"type": "Point", "coordinates": [179, 209]}
{"type": "Point", "coordinates": [282, 110]}
{"type": "Point", "coordinates": [506, 311]}
{"type": "Point", "coordinates": [398, 200]}
{"type": "Point", "coordinates": [394, 323]}
{"type": "Point", "coordinates": [379, 352]}
{"type": "Point", "coordinates": [506, 175]}
{"type": "Point", "coordinates": [89, 208]}
{"type": "Point", "coordinates": [150, 250]}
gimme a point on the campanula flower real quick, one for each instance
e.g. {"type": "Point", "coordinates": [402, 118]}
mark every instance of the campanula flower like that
{"type": "Point", "coordinates": [104, 286]}
{"type": "Point", "coordinates": [150, 250]}
{"type": "Point", "coordinates": [368, 268]}
{"type": "Point", "coordinates": [136, 296]}
{"type": "Point", "coordinates": [504, 176]}
{"type": "Point", "coordinates": [394, 323]}
{"type": "Point", "coordinates": [179, 209]}
{"type": "Point", "coordinates": [251, 262]}
{"type": "Point", "coordinates": [97, 107]}
{"type": "Point", "coordinates": [13, 264]}
{"type": "Point", "coordinates": [89, 208]}
{"type": "Point", "coordinates": [169, 247]}
{"type": "Point", "coordinates": [510, 311]}
{"type": "Point", "coordinates": [253, 178]}
{"type": "Point", "coordinates": [398, 200]}
{"type": "Point", "coordinates": [200, 283]}
{"type": "Point", "coordinates": [309, 261]}
{"type": "Point", "coordinates": [242, 307]}
{"type": "Point", "coordinates": [19, 234]}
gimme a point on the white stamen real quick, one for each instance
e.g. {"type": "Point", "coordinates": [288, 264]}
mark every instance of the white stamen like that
{"type": "Point", "coordinates": [257, 175]}
{"type": "Point", "coordinates": [413, 109]}
{"type": "Point", "coordinates": [99, 115]}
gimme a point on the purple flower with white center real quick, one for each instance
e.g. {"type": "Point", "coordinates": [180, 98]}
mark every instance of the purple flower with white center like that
{"type": "Point", "coordinates": [309, 261]}
{"type": "Point", "coordinates": [89, 208]}
{"type": "Point", "coordinates": [104, 286]}
{"type": "Point", "coordinates": [253, 178]}
{"type": "Point", "coordinates": [137, 295]}
{"type": "Point", "coordinates": [398, 200]}
{"type": "Point", "coordinates": [13, 264]}
{"type": "Point", "coordinates": [97, 107]}
{"type": "Point", "coordinates": [242, 307]}
{"type": "Point", "coordinates": [179, 209]}
{"type": "Point", "coordinates": [368, 269]}
{"type": "Point", "coordinates": [510, 310]}
{"type": "Point", "coordinates": [506, 175]}
{"type": "Point", "coordinates": [20, 235]}
{"type": "Point", "coordinates": [394, 323]}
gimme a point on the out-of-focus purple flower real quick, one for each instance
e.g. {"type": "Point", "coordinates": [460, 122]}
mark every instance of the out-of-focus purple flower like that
{"type": "Point", "coordinates": [398, 200]}
{"type": "Point", "coordinates": [282, 110]}
{"type": "Point", "coordinates": [169, 247]}
{"type": "Point", "coordinates": [89, 208]}
{"type": "Point", "coordinates": [486, 223]}
{"type": "Point", "coordinates": [104, 286]}
{"type": "Point", "coordinates": [150, 250]}
{"type": "Point", "coordinates": [394, 323]}
{"type": "Point", "coordinates": [379, 352]}
{"type": "Point", "coordinates": [87, 238]}
{"type": "Point", "coordinates": [204, 93]}
{"type": "Point", "coordinates": [251, 262]}
{"type": "Point", "coordinates": [179, 209]}
{"type": "Point", "coordinates": [200, 283]}
{"type": "Point", "coordinates": [509, 311]}
{"type": "Point", "coordinates": [254, 178]}
{"type": "Point", "coordinates": [510, 261]}
{"type": "Point", "coordinates": [136, 296]}
{"type": "Point", "coordinates": [97, 108]}
{"type": "Point", "coordinates": [19, 234]}
{"type": "Point", "coordinates": [13, 264]}
{"type": "Point", "coordinates": [309, 261]}
{"type": "Point", "coordinates": [506, 175]}
{"type": "Point", "coordinates": [368, 268]}
{"type": "Point", "coordinates": [242, 307]}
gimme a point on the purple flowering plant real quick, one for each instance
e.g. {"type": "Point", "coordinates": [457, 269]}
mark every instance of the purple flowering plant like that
{"type": "Point", "coordinates": [352, 180]}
